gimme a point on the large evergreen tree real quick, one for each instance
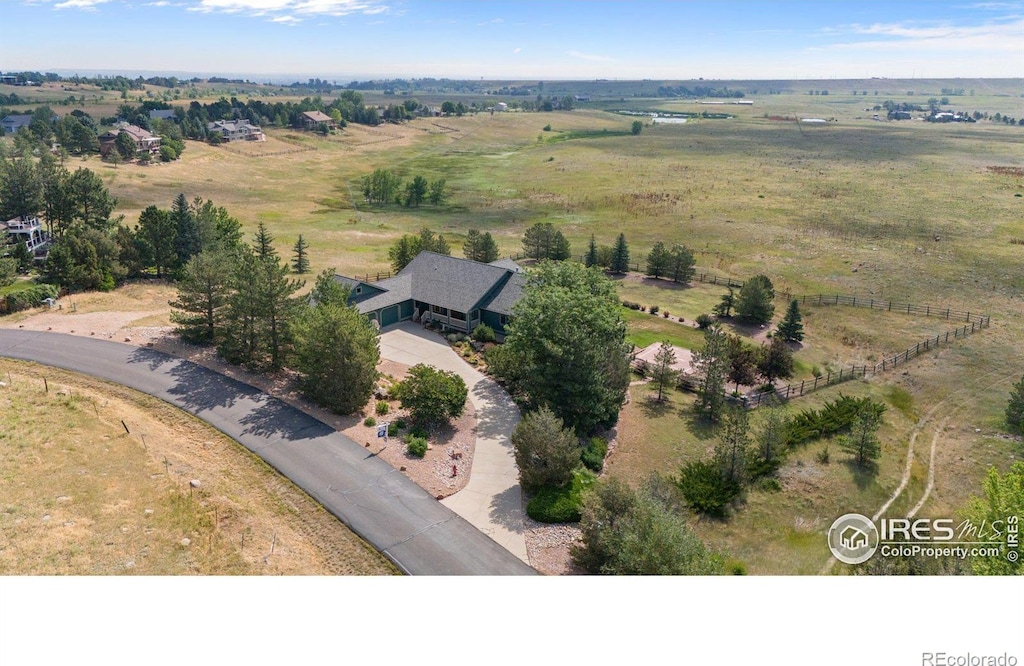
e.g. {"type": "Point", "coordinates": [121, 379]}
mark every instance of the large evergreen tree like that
{"type": "Point", "coordinates": [565, 347]}
{"type": "Point", "coordinates": [681, 264]}
{"type": "Point", "coordinates": [202, 296]}
{"type": "Point", "coordinates": [336, 350]}
{"type": "Point", "coordinates": [754, 303]}
{"type": "Point", "coordinates": [711, 363]}
{"type": "Point", "coordinates": [188, 242]}
{"type": "Point", "coordinates": [658, 261]}
{"type": "Point", "coordinates": [591, 257]}
{"type": "Point", "coordinates": [775, 361]}
{"type": "Point", "coordinates": [403, 251]}
{"type": "Point", "coordinates": [21, 192]}
{"type": "Point", "coordinates": [620, 256]}
{"type": "Point", "coordinates": [546, 451]}
{"type": "Point", "coordinates": [543, 241]}
{"type": "Point", "coordinates": [157, 233]}
{"type": "Point", "coordinates": [791, 328]}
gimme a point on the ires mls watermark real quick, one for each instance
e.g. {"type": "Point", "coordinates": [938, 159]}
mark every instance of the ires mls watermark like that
{"type": "Point", "coordinates": [855, 538]}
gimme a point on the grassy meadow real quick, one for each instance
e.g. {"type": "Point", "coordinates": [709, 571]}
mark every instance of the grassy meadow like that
{"type": "Point", "coordinates": [908, 211]}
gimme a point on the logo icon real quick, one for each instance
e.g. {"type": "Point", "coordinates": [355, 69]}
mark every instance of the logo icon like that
{"type": "Point", "coordinates": [853, 538]}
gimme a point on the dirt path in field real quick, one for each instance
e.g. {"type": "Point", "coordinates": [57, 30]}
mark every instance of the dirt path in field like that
{"type": "Point", "coordinates": [963, 398]}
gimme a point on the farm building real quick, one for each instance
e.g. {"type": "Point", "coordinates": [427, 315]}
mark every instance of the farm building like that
{"type": "Point", "coordinates": [458, 294]}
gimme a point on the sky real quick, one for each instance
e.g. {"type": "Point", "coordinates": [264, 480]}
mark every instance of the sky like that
{"type": "Point", "coordinates": [529, 39]}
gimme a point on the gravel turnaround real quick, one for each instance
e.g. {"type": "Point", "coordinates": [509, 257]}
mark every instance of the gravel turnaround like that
{"type": "Point", "coordinates": [415, 531]}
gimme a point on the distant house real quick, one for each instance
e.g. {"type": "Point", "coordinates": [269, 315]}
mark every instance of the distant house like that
{"type": "Point", "coordinates": [501, 106]}
{"type": "Point", "coordinates": [162, 114]}
{"type": "Point", "coordinates": [316, 119]}
{"type": "Point", "coordinates": [237, 130]}
{"type": "Point", "coordinates": [458, 294]}
{"type": "Point", "coordinates": [13, 123]}
{"type": "Point", "coordinates": [145, 142]}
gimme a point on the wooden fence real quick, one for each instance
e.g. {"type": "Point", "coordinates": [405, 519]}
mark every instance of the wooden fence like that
{"type": "Point", "coordinates": [892, 306]}
{"type": "Point", "coordinates": [373, 277]}
{"type": "Point", "coordinates": [795, 390]}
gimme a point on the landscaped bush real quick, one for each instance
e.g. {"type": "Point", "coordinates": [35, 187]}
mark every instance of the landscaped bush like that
{"type": "Point", "coordinates": [418, 431]}
{"type": "Point", "coordinates": [392, 429]}
{"type": "Point", "coordinates": [654, 309]}
{"type": "Point", "coordinates": [665, 314]}
{"type": "Point", "coordinates": [453, 338]}
{"type": "Point", "coordinates": [832, 418]}
{"type": "Point", "coordinates": [416, 446]}
{"type": "Point", "coordinates": [631, 305]}
{"type": "Point", "coordinates": [400, 424]}
{"type": "Point", "coordinates": [704, 321]}
{"type": "Point", "coordinates": [594, 453]}
{"type": "Point", "coordinates": [382, 408]}
{"type": "Point", "coordinates": [370, 422]}
{"type": "Point", "coordinates": [560, 505]}
{"type": "Point", "coordinates": [484, 333]}
{"type": "Point", "coordinates": [706, 489]}
{"type": "Point", "coordinates": [31, 297]}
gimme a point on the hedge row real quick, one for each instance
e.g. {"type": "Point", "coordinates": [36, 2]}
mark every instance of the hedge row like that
{"type": "Point", "coordinates": [28, 298]}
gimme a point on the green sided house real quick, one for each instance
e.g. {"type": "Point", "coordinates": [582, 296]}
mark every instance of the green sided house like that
{"type": "Point", "coordinates": [457, 294]}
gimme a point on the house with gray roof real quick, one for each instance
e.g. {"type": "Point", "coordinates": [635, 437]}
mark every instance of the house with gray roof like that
{"type": "Point", "coordinates": [458, 294]}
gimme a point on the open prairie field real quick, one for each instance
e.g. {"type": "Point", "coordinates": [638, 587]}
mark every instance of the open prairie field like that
{"type": "Point", "coordinates": [906, 211]}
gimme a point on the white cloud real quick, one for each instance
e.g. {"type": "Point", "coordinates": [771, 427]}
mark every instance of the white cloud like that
{"type": "Point", "coordinates": [591, 57]}
{"type": "Point", "coordinates": [287, 19]}
{"type": "Point", "coordinates": [284, 7]}
{"type": "Point", "coordinates": [517, 50]}
{"type": "Point", "coordinates": [79, 4]}
{"type": "Point", "coordinates": [1005, 36]}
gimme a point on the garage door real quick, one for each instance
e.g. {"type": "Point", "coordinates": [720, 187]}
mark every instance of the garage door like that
{"type": "Point", "coordinates": [389, 316]}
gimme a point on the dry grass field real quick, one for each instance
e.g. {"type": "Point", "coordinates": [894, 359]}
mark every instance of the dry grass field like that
{"type": "Point", "coordinates": [907, 211]}
{"type": "Point", "coordinates": [80, 496]}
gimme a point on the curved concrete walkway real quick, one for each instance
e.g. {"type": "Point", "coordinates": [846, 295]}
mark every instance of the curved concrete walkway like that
{"type": "Point", "coordinates": [380, 504]}
{"type": "Point", "coordinates": [492, 500]}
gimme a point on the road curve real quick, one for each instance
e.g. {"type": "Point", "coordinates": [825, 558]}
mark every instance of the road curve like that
{"type": "Point", "coordinates": [411, 528]}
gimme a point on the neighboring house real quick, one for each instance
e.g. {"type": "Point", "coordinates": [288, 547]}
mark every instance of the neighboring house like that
{"type": "Point", "coordinates": [501, 106]}
{"type": "Point", "coordinates": [27, 229]}
{"type": "Point", "coordinates": [145, 142]}
{"type": "Point", "coordinates": [162, 114]}
{"type": "Point", "coordinates": [12, 124]}
{"type": "Point", "coordinates": [237, 130]}
{"type": "Point", "coordinates": [316, 119]}
{"type": "Point", "coordinates": [458, 294]}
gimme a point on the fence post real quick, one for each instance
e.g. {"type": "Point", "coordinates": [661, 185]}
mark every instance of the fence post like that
{"type": "Point", "coordinates": [918, 350]}
{"type": "Point", "coordinates": [927, 311]}
{"type": "Point", "coordinates": [972, 327]}
{"type": "Point", "coordinates": [819, 299]}
{"type": "Point", "coordinates": [837, 299]}
{"type": "Point", "coordinates": [968, 316]}
{"type": "Point", "coordinates": [802, 387]}
{"type": "Point", "coordinates": [908, 308]}
{"type": "Point", "coordinates": [890, 306]}
{"type": "Point", "coordinates": [815, 387]}
{"type": "Point", "coordinates": [947, 313]}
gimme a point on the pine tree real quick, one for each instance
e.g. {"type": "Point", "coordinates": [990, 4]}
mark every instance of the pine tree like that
{"type": "Point", "coordinates": [1015, 409]}
{"type": "Point", "coordinates": [681, 264]}
{"type": "Point", "coordinates": [264, 243]}
{"type": "Point", "coordinates": [732, 451]}
{"type": "Point", "coordinates": [726, 305]}
{"type": "Point", "coordinates": [403, 251]}
{"type": "Point", "coordinates": [620, 256]}
{"type": "Point", "coordinates": [862, 441]}
{"type": "Point", "coordinates": [659, 261]}
{"type": "Point", "coordinates": [471, 248]}
{"type": "Point", "coordinates": [790, 328]}
{"type": "Point", "coordinates": [300, 260]}
{"type": "Point", "coordinates": [662, 372]}
{"type": "Point", "coordinates": [755, 300]}
{"type": "Point", "coordinates": [188, 241]}
{"type": "Point", "coordinates": [202, 296]}
{"type": "Point", "coordinates": [591, 257]}
{"type": "Point", "coordinates": [559, 250]}
{"type": "Point", "coordinates": [711, 364]}
{"type": "Point", "coordinates": [488, 249]}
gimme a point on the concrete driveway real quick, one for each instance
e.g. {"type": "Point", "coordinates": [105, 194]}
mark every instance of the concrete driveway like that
{"type": "Point", "coordinates": [492, 500]}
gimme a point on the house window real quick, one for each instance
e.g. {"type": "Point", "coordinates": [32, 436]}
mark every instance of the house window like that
{"type": "Point", "coordinates": [359, 290]}
{"type": "Point", "coordinates": [461, 316]}
{"type": "Point", "coordinates": [437, 309]}
{"type": "Point", "coordinates": [475, 315]}
{"type": "Point", "coordinates": [503, 319]}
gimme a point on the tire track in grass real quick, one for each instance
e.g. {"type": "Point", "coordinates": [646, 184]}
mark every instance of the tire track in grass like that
{"type": "Point", "coordinates": [918, 428]}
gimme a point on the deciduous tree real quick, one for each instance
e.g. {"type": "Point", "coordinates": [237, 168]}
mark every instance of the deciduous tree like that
{"type": "Point", "coordinates": [565, 346]}
{"type": "Point", "coordinates": [775, 361]}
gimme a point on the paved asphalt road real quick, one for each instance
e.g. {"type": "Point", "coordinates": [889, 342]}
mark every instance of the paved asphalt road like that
{"type": "Point", "coordinates": [380, 504]}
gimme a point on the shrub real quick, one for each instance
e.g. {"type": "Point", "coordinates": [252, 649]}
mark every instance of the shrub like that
{"type": "Point", "coordinates": [392, 429]}
{"type": "Point", "coordinates": [382, 408]}
{"type": "Point", "coordinates": [432, 396]}
{"type": "Point", "coordinates": [704, 321]}
{"type": "Point", "coordinates": [560, 505]}
{"type": "Point", "coordinates": [484, 333]}
{"type": "Point", "coordinates": [706, 489]}
{"type": "Point", "coordinates": [400, 424]}
{"type": "Point", "coordinates": [31, 297]}
{"type": "Point", "coordinates": [546, 452]}
{"type": "Point", "coordinates": [823, 456]}
{"type": "Point", "coordinates": [416, 446]}
{"type": "Point", "coordinates": [418, 431]}
{"type": "Point", "coordinates": [453, 338]}
{"type": "Point", "coordinates": [631, 305]}
{"type": "Point", "coordinates": [665, 314]}
{"type": "Point", "coordinates": [594, 453]}
{"type": "Point", "coordinates": [370, 422]}
{"type": "Point", "coordinates": [547, 128]}
{"type": "Point", "coordinates": [654, 309]}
